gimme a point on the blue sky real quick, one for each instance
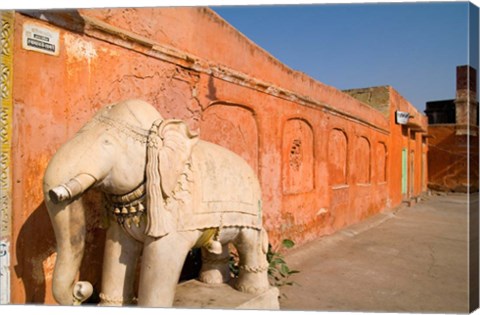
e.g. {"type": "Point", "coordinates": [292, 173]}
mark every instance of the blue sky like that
{"type": "Point", "coordinates": [414, 47]}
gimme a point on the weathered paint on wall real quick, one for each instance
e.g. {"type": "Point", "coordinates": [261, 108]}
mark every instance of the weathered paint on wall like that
{"type": "Point", "coordinates": [287, 126]}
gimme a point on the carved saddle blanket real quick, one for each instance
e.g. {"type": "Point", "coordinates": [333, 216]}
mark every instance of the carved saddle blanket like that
{"type": "Point", "coordinates": [218, 189]}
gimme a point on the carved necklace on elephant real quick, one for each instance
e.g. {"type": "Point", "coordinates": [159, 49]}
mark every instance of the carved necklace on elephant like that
{"type": "Point", "coordinates": [128, 208]}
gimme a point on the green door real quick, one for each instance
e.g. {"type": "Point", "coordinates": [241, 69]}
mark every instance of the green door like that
{"type": "Point", "coordinates": [412, 173]}
{"type": "Point", "coordinates": [404, 171]}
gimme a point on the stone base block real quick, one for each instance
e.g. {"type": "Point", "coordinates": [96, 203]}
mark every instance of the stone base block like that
{"type": "Point", "coordinates": [196, 294]}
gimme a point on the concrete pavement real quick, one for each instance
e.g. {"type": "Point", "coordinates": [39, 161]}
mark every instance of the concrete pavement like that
{"type": "Point", "coordinates": [412, 259]}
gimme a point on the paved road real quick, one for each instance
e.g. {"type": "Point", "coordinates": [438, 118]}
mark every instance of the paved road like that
{"type": "Point", "coordinates": [414, 259]}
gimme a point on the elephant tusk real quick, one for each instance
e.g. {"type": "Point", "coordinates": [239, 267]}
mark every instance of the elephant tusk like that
{"type": "Point", "coordinates": [72, 188]}
{"type": "Point", "coordinates": [59, 194]}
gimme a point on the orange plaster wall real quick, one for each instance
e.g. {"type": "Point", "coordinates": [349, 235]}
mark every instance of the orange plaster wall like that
{"type": "Point", "coordinates": [282, 140]}
{"type": "Point", "coordinates": [197, 30]}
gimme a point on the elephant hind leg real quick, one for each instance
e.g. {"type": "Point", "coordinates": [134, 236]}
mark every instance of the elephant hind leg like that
{"type": "Point", "coordinates": [215, 266]}
{"type": "Point", "coordinates": [252, 246]}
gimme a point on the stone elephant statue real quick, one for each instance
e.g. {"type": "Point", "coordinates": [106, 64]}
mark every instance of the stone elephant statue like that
{"type": "Point", "coordinates": [166, 191]}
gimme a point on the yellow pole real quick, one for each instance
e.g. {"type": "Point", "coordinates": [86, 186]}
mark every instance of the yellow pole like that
{"type": "Point", "coordinates": [6, 81]}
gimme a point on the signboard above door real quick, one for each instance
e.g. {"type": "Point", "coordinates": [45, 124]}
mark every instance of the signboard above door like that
{"type": "Point", "coordinates": [401, 118]}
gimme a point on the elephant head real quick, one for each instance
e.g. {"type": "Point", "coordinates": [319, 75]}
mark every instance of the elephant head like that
{"type": "Point", "coordinates": [110, 153]}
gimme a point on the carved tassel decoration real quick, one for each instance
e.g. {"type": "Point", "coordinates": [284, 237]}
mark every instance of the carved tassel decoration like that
{"type": "Point", "coordinates": [159, 221]}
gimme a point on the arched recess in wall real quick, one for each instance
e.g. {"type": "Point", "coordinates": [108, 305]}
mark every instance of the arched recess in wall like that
{"type": "Point", "coordinates": [337, 157]}
{"type": "Point", "coordinates": [381, 164]}
{"type": "Point", "coordinates": [363, 161]}
{"type": "Point", "coordinates": [234, 127]}
{"type": "Point", "coordinates": [297, 157]}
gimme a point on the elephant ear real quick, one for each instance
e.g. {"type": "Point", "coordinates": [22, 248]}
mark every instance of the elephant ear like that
{"type": "Point", "coordinates": [170, 144]}
{"type": "Point", "coordinates": [178, 142]}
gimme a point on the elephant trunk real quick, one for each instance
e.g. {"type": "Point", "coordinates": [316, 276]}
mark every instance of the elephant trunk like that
{"type": "Point", "coordinates": [69, 225]}
{"type": "Point", "coordinates": [68, 219]}
{"type": "Point", "coordinates": [72, 188]}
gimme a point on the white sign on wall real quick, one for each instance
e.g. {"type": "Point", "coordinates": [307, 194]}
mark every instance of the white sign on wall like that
{"type": "Point", "coordinates": [401, 118]}
{"type": "Point", "coordinates": [40, 38]}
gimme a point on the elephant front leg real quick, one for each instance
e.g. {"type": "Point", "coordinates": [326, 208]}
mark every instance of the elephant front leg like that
{"type": "Point", "coordinates": [119, 266]}
{"type": "Point", "coordinates": [162, 263]}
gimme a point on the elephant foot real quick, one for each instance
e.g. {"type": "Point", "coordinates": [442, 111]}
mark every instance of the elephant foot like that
{"type": "Point", "coordinates": [115, 301]}
{"type": "Point", "coordinates": [251, 288]}
{"type": "Point", "coordinates": [215, 268]}
{"type": "Point", "coordinates": [253, 281]}
{"type": "Point", "coordinates": [215, 273]}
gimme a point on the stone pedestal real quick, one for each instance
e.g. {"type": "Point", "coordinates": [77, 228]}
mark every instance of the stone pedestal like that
{"type": "Point", "coordinates": [196, 294]}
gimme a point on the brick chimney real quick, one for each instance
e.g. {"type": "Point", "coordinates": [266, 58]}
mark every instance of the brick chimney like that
{"type": "Point", "coordinates": [466, 105]}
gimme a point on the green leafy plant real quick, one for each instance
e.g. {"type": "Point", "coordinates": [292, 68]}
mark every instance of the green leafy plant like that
{"type": "Point", "coordinates": [278, 270]}
{"type": "Point", "coordinates": [233, 263]}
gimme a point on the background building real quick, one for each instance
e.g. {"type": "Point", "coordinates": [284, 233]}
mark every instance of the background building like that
{"type": "Point", "coordinates": [407, 158]}
{"type": "Point", "coordinates": [453, 146]}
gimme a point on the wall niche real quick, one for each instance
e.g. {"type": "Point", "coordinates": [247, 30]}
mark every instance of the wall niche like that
{"type": "Point", "coordinates": [381, 164]}
{"type": "Point", "coordinates": [338, 158]}
{"type": "Point", "coordinates": [234, 127]}
{"type": "Point", "coordinates": [298, 157]}
{"type": "Point", "coordinates": [363, 161]}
